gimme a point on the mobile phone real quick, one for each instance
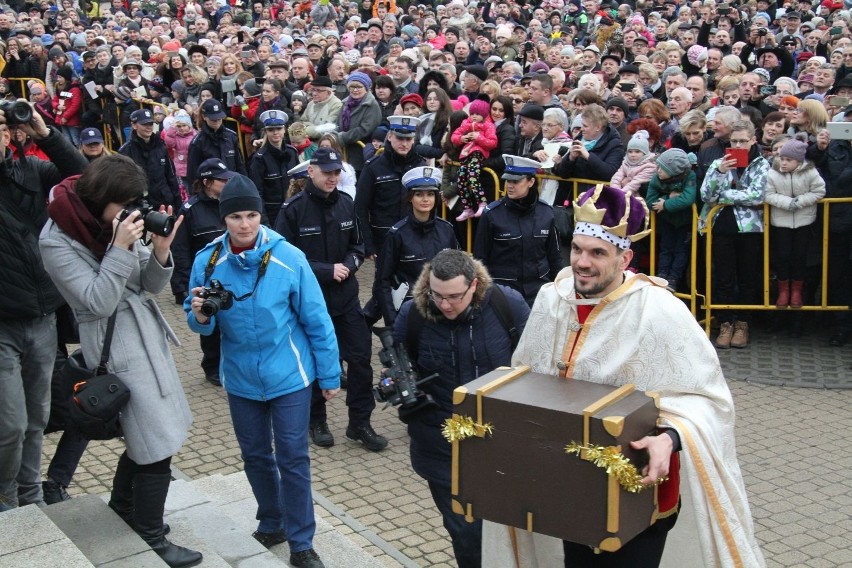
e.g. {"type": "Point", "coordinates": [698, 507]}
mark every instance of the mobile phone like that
{"type": "Point", "coordinates": [838, 101]}
{"type": "Point", "coordinates": [768, 90]}
{"type": "Point", "coordinates": [739, 154]}
{"type": "Point", "coordinates": [840, 130]}
{"type": "Point", "coordinates": [245, 53]}
{"type": "Point", "coordinates": [835, 31]}
{"type": "Point", "coordinates": [723, 11]}
{"type": "Point", "coordinates": [628, 86]}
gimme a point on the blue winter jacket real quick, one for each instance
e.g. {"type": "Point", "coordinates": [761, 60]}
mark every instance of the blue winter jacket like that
{"type": "Point", "coordinates": [279, 339]}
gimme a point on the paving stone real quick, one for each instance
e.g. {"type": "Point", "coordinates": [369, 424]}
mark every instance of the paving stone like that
{"type": "Point", "coordinates": [56, 554]}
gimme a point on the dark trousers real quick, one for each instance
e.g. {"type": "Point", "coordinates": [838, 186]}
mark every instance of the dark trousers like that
{"type": "Point", "coordinates": [353, 340]}
{"type": "Point", "coordinates": [789, 251]}
{"type": "Point", "coordinates": [736, 272]}
{"type": "Point", "coordinates": [644, 551]}
{"type": "Point", "coordinates": [674, 249]}
{"type": "Point", "coordinates": [839, 277]}
{"type": "Point", "coordinates": [211, 347]}
{"type": "Point", "coordinates": [69, 450]}
{"type": "Point", "coordinates": [466, 537]}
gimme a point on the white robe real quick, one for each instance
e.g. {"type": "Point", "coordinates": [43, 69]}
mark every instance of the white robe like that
{"type": "Point", "coordinates": [641, 334]}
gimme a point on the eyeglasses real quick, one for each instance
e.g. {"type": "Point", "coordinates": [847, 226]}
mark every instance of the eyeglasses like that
{"type": "Point", "coordinates": [452, 299]}
{"type": "Point", "coordinates": [517, 101]}
{"type": "Point", "coordinates": [356, 87]}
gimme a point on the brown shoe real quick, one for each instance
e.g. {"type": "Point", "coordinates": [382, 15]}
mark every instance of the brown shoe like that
{"type": "Point", "coordinates": [740, 338]}
{"type": "Point", "coordinates": [726, 332]}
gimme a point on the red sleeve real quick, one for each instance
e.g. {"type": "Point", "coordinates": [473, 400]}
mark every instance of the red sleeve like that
{"type": "Point", "coordinates": [488, 136]}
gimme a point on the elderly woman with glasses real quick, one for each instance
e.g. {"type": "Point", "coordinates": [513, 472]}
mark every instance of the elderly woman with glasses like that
{"type": "Point", "coordinates": [358, 118]}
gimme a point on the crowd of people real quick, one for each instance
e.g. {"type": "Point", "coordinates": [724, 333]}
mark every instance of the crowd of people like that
{"type": "Point", "coordinates": [347, 128]}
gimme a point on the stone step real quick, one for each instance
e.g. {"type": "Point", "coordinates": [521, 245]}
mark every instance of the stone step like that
{"type": "Point", "coordinates": [198, 522]}
{"type": "Point", "coordinates": [101, 535]}
{"type": "Point", "coordinates": [233, 495]}
{"type": "Point", "coordinates": [30, 538]}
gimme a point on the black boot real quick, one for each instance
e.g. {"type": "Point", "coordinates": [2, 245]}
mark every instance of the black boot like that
{"type": "Point", "coordinates": [149, 502]}
{"type": "Point", "coordinates": [121, 497]}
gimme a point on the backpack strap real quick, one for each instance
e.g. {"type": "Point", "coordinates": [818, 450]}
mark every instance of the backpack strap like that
{"type": "Point", "coordinates": [504, 314]}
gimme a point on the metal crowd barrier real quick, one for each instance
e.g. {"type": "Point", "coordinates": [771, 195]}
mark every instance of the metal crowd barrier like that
{"type": "Point", "coordinates": [709, 306]}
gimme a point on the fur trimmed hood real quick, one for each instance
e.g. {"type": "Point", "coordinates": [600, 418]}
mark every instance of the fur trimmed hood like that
{"type": "Point", "coordinates": [421, 289]}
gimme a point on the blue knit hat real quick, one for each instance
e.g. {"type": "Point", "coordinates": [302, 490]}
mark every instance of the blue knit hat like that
{"type": "Point", "coordinates": [362, 78]}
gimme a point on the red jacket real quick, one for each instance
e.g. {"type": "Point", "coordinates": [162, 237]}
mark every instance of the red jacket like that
{"type": "Point", "coordinates": [246, 117]}
{"type": "Point", "coordinates": [486, 142]}
{"type": "Point", "coordinates": [69, 115]}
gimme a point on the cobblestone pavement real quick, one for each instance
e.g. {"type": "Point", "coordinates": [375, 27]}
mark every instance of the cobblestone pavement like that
{"type": "Point", "coordinates": [793, 447]}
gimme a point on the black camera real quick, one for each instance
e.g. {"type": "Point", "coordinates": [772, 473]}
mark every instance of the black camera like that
{"type": "Point", "coordinates": [399, 385]}
{"type": "Point", "coordinates": [762, 32]}
{"type": "Point", "coordinates": [529, 46]}
{"type": "Point", "coordinates": [16, 112]}
{"type": "Point", "coordinates": [215, 298]}
{"type": "Point", "coordinates": [155, 221]}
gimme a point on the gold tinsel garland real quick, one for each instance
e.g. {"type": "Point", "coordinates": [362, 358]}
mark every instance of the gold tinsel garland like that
{"type": "Point", "coordinates": [615, 464]}
{"type": "Point", "coordinates": [461, 428]}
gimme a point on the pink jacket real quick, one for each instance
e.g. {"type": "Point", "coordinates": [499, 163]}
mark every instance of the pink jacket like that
{"type": "Point", "coordinates": [486, 142]}
{"type": "Point", "coordinates": [178, 146]}
{"type": "Point", "coordinates": [631, 178]}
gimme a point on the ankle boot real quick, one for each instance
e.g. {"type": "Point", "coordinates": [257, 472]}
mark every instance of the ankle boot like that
{"type": "Point", "coordinates": [149, 502]}
{"type": "Point", "coordinates": [121, 497]}
{"type": "Point", "coordinates": [726, 333]}
{"type": "Point", "coordinates": [783, 294]}
{"type": "Point", "coordinates": [740, 338]}
{"type": "Point", "coordinates": [796, 294]}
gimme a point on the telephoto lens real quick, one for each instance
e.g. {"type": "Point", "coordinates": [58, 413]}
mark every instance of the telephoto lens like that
{"type": "Point", "coordinates": [16, 112]}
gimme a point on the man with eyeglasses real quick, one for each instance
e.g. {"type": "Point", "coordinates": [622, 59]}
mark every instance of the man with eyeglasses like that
{"type": "Point", "coordinates": [320, 116]}
{"type": "Point", "coordinates": [454, 327]}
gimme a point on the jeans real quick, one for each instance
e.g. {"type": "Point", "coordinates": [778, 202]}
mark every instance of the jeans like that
{"type": "Point", "coordinates": [27, 352]}
{"type": "Point", "coordinates": [72, 133]}
{"type": "Point", "coordinates": [280, 481]}
{"type": "Point", "coordinates": [466, 537]}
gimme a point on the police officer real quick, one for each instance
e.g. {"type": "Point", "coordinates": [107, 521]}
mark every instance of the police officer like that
{"type": "Point", "coordinates": [411, 242]}
{"type": "Point", "coordinates": [516, 237]}
{"type": "Point", "coordinates": [214, 141]}
{"type": "Point", "coordinates": [321, 222]}
{"type": "Point", "coordinates": [269, 165]}
{"type": "Point", "coordinates": [150, 153]}
{"type": "Point", "coordinates": [201, 225]}
{"type": "Point", "coordinates": [380, 198]}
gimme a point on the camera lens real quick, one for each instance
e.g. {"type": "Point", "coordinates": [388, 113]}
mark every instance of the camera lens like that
{"type": "Point", "coordinates": [159, 223]}
{"type": "Point", "coordinates": [210, 306]}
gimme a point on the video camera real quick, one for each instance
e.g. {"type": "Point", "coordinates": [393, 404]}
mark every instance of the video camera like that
{"type": "Point", "coordinates": [155, 221]}
{"type": "Point", "coordinates": [399, 383]}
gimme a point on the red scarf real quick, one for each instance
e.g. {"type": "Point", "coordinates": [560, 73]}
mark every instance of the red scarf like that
{"type": "Point", "coordinates": [72, 216]}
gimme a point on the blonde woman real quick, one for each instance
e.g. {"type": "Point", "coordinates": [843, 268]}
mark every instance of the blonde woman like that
{"type": "Point", "coordinates": [731, 66]}
{"type": "Point", "coordinates": [810, 117]}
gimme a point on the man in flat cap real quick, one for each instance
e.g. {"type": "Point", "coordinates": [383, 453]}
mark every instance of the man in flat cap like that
{"type": "Point", "coordinates": [571, 331]}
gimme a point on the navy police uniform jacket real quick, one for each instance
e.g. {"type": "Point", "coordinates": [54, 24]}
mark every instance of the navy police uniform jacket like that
{"type": "Point", "coordinates": [201, 226]}
{"type": "Point", "coordinates": [268, 170]}
{"type": "Point", "coordinates": [153, 157]}
{"type": "Point", "coordinates": [517, 242]}
{"type": "Point", "coordinates": [380, 198]}
{"type": "Point", "coordinates": [327, 231]}
{"type": "Point", "coordinates": [222, 144]}
{"type": "Point", "coordinates": [408, 246]}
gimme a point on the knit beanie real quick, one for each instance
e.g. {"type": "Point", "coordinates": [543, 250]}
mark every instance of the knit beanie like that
{"type": "Point", "coordinates": [675, 162]}
{"type": "Point", "coordinates": [696, 55]}
{"type": "Point", "coordinates": [362, 78]}
{"type": "Point", "coordinates": [410, 30]}
{"type": "Point", "coordinates": [794, 149]}
{"type": "Point", "coordinates": [639, 141]}
{"type": "Point", "coordinates": [55, 51]}
{"type": "Point", "coordinates": [539, 67]}
{"type": "Point", "coordinates": [252, 88]}
{"type": "Point", "coordinates": [239, 194]}
{"type": "Point", "coordinates": [480, 107]}
{"type": "Point", "coordinates": [182, 117]}
{"type": "Point", "coordinates": [178, 87]}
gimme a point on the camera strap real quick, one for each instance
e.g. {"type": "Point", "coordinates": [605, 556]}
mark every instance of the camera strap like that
{"type": "Point", "coordinates": [211, 266]}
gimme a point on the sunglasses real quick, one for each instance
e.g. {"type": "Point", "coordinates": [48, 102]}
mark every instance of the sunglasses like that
{"type": "Point", "coordinates": [517, 101]}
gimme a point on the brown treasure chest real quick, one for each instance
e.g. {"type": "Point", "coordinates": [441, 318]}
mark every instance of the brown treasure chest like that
{"type": "Point", "coordinates": [518, 473]}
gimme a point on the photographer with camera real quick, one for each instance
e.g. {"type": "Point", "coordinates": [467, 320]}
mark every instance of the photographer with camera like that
{"type": "Point", "coordinates": [461, 326]}
{"type": "Point", "coordinates": [269, 363]}
{"type": "Point", "coordinates": [92, 251]}
{"type": "Point", "coordinates": [28, 299]}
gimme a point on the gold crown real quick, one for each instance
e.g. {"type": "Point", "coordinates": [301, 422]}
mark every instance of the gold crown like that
{"type": "Point", "coordinates": [589, 213]}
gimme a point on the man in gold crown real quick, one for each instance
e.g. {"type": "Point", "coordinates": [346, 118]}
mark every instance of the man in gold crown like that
{"type": "Point", "coordinates": [598, 322]}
